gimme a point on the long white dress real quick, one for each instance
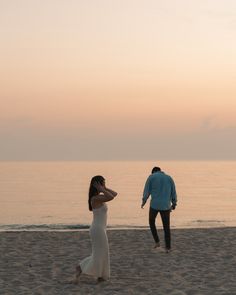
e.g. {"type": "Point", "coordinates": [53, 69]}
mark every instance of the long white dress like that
{"type": "Point", "coordinates": [98, 264]}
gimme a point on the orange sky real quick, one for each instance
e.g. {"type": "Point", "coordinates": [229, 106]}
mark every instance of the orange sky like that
{"type": "Point", "coordinates": [118, 79]}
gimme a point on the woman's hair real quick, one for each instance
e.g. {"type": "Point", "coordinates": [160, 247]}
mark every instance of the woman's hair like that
{"type": "Point", "coordinates": [92, 189]}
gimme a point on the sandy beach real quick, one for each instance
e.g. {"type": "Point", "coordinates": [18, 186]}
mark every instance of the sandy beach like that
{"type": "Point", "coordinates": [203, 261]}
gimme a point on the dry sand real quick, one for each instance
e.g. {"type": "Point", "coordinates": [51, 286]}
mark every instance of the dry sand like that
{"type": "Point", "coordinates": [203, 261]}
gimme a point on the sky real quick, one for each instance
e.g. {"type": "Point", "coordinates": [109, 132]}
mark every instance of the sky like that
{"type": "Point", "coordinates": [117, 80]}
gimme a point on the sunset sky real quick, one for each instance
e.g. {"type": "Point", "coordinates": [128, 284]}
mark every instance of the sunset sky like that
{"type": "Point", "coordinates": [122, 79]}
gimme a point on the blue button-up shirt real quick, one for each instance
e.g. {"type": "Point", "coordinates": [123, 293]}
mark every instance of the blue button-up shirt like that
{"type": "Point", "coordinates": [161, 187]}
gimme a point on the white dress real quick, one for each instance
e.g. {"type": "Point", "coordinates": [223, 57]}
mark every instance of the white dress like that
{"type": "Point", "coordinates": [98, 264]}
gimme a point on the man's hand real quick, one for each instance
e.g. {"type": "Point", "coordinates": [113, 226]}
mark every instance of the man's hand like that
{"type": "Point", "coordinates": [173, 207]}
{"type": "Point", "coordinates": [143, 203]}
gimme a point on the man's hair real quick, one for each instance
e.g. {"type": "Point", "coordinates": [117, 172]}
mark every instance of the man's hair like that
{"type": "Point", "coordinates": [155, 169]}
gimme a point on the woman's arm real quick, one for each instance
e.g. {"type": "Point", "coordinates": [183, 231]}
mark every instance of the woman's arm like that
{"type": "Point", "coordinates": [106, 195]}
{"type": "Point", "coordinates": [111, 191]}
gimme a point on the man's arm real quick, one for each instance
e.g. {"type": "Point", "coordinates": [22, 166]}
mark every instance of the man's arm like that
{"type": "Point", "coordinates": [173, 194]}
{"type": "Point", "coordinates": [146, 192]}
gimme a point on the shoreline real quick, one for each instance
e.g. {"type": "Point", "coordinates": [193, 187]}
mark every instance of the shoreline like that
{"type": "Point", "coordinates": [41, 262]}
{"type": "Point", "coordinates": [75, 228]}
{"type": "Point", "coordinates": [159, 228]}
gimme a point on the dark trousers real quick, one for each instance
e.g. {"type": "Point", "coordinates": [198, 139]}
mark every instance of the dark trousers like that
{"type": "Point", "coordinates": [165, 217]}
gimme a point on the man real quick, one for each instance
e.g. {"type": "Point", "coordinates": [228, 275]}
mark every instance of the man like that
{"type": "Point", "coordinates": [161, 187]}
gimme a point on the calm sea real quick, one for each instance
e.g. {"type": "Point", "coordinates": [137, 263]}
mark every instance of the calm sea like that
{"type": "Point", "coordinates": [53, 195]}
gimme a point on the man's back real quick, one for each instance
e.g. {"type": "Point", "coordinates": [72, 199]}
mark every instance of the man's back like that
{"type": "Point", "coordinates": [162, 189]}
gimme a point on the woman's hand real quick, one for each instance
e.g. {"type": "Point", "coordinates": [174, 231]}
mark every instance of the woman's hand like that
{"type": "Point", "coordinates": [98, 186]}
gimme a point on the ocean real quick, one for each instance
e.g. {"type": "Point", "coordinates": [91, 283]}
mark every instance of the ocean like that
{"type": "Point", "coordinates": [54, 195]}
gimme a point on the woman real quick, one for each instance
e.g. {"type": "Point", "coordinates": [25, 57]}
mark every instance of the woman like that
{"type": "Point", "coordinates": [98, 264]}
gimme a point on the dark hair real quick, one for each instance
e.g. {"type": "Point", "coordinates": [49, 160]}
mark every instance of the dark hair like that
{"type": "Point", "coordinates": [92, 190]}
{"type": "Point", "coordinates": [155, 169]}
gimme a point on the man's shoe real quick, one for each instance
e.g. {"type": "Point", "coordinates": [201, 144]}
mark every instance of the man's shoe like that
{"type": "Point", "coordinates": [168, 250]}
